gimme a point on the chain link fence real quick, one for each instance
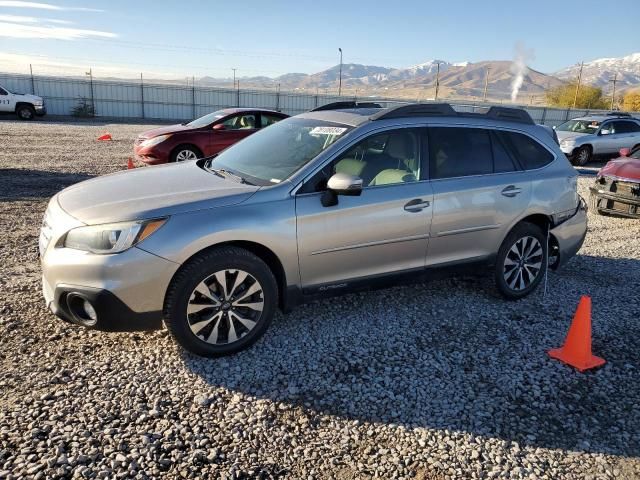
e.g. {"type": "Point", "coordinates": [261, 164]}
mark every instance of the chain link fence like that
{"type": "Point", "coordinates": [164, 101]}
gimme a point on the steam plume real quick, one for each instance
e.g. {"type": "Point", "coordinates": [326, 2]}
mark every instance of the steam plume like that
{"type": "Point", "coordinates": [519, 68]}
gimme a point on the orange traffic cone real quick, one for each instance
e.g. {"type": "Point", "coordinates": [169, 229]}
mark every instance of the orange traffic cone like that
{"type": "Point", "coordinates": [577, 346]}
{"type": "Point", "coordinates": [130, 164]}
{"type": "Point", "coordinates": [105, 137]}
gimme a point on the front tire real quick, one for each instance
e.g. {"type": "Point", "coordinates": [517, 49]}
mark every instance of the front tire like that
{"type": "Point", "coordinates": [25, 112]}
{"type": "Point", "coordinates": [582, 156]}
{"type": "Point", "coordinates": [221, 302]}
{"type": "Point", "coordinates": [184, 153]}
{"type": "Point", "coordinates": [521, 262]}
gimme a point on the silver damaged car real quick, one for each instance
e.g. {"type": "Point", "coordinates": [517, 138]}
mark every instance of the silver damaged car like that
{"type": "Point", "coordinates": [333, 200]}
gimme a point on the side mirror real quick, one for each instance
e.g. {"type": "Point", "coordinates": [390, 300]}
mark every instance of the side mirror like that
{"type": "Point", "coordinates": [219, 126]}
{"type": "Point", "coordinates": [624, 152]}
{"type": "Point", "coordinates": [554, 127]}
{"type": "Point", "coordinates": [605, 131]}
{"type": "Point", "coordinates": [341, 184]}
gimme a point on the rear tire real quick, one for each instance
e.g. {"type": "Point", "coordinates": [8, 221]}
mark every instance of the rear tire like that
{"type": "Point", "coordinates": [25, 112]}
{"type": "Point", "coordinates": [582, 156]}
{"type": "Point", "coordinates": [522, 261]}
{"type": "Point", "coordinates": [184, 153]}
{"type": "Point", "coordinates": [221, 302]}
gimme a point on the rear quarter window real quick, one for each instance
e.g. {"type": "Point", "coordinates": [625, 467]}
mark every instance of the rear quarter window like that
{"type": "Point", "coordinates": [525, 150]}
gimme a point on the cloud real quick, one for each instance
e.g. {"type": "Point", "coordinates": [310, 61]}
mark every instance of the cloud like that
{"type": "Point", "coordinates": [17, 30]}
{"type": "Point", "coordinates": [22, 19]}
{"type": "Point", "coordinates": [44, 6]}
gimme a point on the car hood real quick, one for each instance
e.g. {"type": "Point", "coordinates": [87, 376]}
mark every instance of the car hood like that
{"type": "Point", "coordinates": [28, 96]}
{"type": "Point", "coordinates": [564, 135]}
{"type": "Point", "coordinates": [627, 168]}
{"type": "Point", "coordinates": [164, 130]}
{"type": "Point", "coordinates": [150, 192]}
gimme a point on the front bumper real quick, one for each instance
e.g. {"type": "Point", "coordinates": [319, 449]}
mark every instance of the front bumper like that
{"type": "Point", "coordinates": [126, 289]}
{"type": "Point", "coordinates": [567, 149]}
{"type": "Point", "coordinates": [570, 234]}
{"type": "Point", "coordinates": [151, 155]}
{"type": "Point", "coordinates": [610, 202]}
{"type": "Point", "coordinates": [40, 111]}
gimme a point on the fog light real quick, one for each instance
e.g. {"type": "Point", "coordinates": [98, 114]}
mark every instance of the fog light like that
{"type": "Point", "coordinates": [81, 309]}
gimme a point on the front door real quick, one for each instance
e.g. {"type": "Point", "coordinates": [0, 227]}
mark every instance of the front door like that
{"type": "Point", "coordinates": [7, 102]}
{"type": "Point", "coordinates": [383, 230]}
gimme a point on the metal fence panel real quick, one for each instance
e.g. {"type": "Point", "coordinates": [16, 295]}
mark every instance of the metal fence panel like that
{"type": "Point", "coordinates": [183, 102]}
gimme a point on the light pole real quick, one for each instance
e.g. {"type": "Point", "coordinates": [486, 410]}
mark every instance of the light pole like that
{"type": "Point", "coordinates": [340, 80]}
{"type": "Point", "coordinates": [234, 77]}
{"type": "Point", "coordinates": [437, 80]}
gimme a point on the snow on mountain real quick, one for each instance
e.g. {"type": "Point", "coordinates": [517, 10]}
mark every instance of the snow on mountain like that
{"type": "Point", "coordinates": [600, 71]}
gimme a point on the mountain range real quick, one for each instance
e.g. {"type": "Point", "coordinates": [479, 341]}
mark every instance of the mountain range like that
{"type": "Point", "coordinates": [462, 79]}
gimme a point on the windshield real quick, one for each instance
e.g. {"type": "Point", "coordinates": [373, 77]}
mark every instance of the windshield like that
{"type": "Point", "coordinates": [635, 154]}
{"type": "Point", "coordinates": [207, 119]}
{"type": "Point", "coordinates": [579, 126]}
{"type": "Point", "coordinates": [275, 153]}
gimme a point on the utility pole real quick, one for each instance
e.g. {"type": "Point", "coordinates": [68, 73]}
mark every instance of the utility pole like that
{"type": "Point", "coordinates": [33, 86]}
{"type": "Point", "coordinates": [437, 80]}
{"type": "Point", "coordinates": [93, 103]}
{"type": "Point", "coordinates": [142, 94]}
{"type": "Point", "coordinates": [234, 77]}
{"type": "Point", "coordinates": [486, 84]}
{"type": "Point", "coordinates": [575, 97]}
{"type": "Point", "coordinates": [340, 80]}
{"type": "Point", "coordinates": [613, 94]}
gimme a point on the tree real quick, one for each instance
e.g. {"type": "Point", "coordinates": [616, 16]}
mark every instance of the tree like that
{"type": "Point", "coordinates": [631, 102]}
{"type": "Point", "coordinates": [588, 96]}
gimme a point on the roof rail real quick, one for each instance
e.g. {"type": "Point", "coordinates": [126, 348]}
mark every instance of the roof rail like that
{"type": "Point", "coordinates": [415, 110]}
{"type": "Point", "coordinates": [445, 109]}
{"type": "Point", "coordinates": [509, 114]}
{"type": "Point", "coordinates": [345, 105]}
{"type": "Point", "coordinates": [617, 114]}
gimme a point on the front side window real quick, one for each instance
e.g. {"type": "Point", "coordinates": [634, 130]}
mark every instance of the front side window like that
{"type": "Point", "coordinates": [383, 159]}
{"type": "Point", "coordinates": [529, 153]}
{"type": "Point", "coordinates": [459, 152]}
{"type": "Point", "coordinates": [240, 122]}
{"type": "Point", "coordinates": [266, 120]}
{"type": "Point", "coordinates": [274, 154]}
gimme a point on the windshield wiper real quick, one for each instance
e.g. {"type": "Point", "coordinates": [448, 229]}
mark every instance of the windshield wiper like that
{"type": "Point", "coordinates": [226, 173]}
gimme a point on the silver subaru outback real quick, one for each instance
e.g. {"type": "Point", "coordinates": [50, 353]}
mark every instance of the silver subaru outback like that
{"type": "Point", "coordinates": [322, 203]}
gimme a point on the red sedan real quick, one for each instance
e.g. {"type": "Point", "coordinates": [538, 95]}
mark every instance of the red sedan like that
{"type": "Point", "coordinates": [202, 137]}
{"type": "Point", "coordinates": [617, 186]}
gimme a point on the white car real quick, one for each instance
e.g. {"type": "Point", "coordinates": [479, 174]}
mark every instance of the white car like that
{"type": "Point", "coordinates": [583, 138]}
{"type": "Point", "coordinates": [25, 105]}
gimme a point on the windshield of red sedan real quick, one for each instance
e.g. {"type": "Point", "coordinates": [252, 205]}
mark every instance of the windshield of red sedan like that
{"type": "Point", "coordinates": [207, 119]}
{"type": "Point", "coordinates": [275, 153]}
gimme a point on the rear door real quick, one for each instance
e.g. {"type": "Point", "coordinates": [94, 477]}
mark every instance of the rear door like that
{"type": "Point", "coordinates": [478, 190]}
{"type": "Point", "coordinates": [235, 128]}
{"type": "Point", "coordinates": [629, 132]}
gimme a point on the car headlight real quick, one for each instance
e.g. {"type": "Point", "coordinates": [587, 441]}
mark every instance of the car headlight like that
{"type": "Point", "coordinates": [111, 237]}
{"type": "Point", "coordinates": [154, 141]}
{"type": "Point", "coordinates": [567, 142]}
{"type": "Point", "coordinates": [38, 103]}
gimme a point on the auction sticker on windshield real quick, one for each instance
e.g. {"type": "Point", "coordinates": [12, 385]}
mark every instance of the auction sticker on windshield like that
{"type": "Point", "coordinates": [327, 131]}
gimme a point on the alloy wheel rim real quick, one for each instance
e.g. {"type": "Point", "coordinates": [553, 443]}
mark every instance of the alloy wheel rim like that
{"type": "Point", "coordinates": [185, 155]}
{"type": "Point", "coordinates": [225, 307]}
{"type": "Point", "coordinates": [523, 263]}
{"type": "Point", "coordinates": [583, 156]}
{"type": "Point", "coordinates": [24, 113]}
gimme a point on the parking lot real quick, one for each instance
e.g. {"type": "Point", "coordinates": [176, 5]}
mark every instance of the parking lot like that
{"type": "Point", "coordinates": [436, 380]}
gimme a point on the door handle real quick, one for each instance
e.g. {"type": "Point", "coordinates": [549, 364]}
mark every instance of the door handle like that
{"type": "Point", "coordinates": [416, 205]}
{"type": "Point", "coordinates": [511, 191]}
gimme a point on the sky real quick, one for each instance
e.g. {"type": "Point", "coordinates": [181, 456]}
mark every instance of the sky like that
{"type": "Point", "coordinates": [197, 37]}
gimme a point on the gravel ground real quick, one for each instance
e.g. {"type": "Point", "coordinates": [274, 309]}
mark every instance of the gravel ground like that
{"type": "Point", "coordinates": [431, 381]}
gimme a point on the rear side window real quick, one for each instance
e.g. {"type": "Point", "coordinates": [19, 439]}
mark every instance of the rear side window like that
{"type": "Point", "coordinates": [626, 127]}
{"type": "Point", "coordinates": [459, 152]}
{"type": "Point", "coordinates": [3, 91]}
{"type": "Point", "coordinates": [266, 120]}
{"type": "Point", "coordinates": [529, 153]}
